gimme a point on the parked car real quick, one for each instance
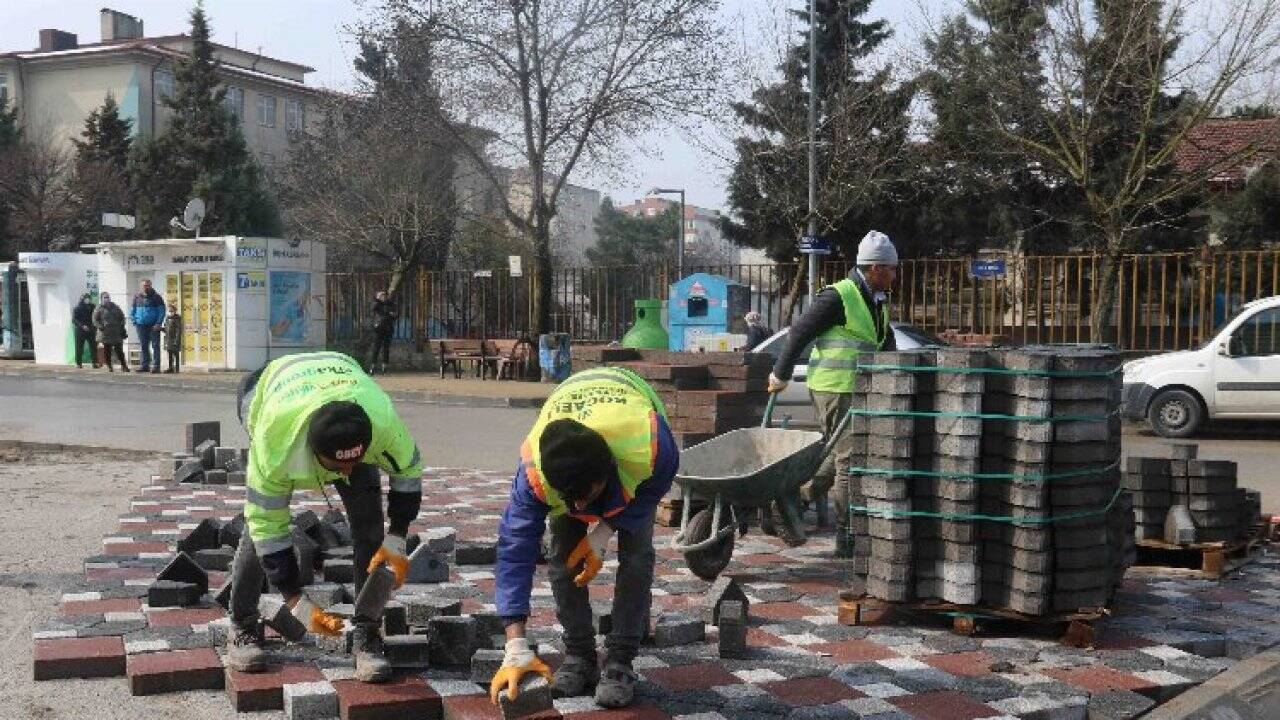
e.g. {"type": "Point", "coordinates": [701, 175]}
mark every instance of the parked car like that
{"type": "Point", "coordinates": [1233, 376]}
{"type": "Point", "coordinates": [906, 336]}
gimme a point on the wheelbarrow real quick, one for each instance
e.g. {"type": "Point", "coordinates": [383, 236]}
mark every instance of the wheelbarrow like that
{"type": "Point", "coordinates": [739, 472]}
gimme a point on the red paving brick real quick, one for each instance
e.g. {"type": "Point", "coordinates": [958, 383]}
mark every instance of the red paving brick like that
{"type": "Point", "coordinates": [852, 651]}
{"type": "Point", "coordinates": [692, 677]}
{"type": "Point", "coordinates": [124, 573]}
{"type": "Point", "coordinates": [966, 664]}
{"type": "Point", "coordinates": [174, 671]}
{"type": "Point", "coordinates": [405, 696]}
{"type": "Point", "coordinates": [759, 638]}
{"type": "Point", "coordinates": [802, 692]}
{"type": "Point", "coordinates": [782, 611]}
{"type": "Point", "coordinates": [638, 711]}
{"type": "Point", "coordinates": [943, 705]}
{"type": "Point", "coordinates": [1098, 678]}
{"type": "Point", "coordinates": [478, 707]}
{"type": "Point", "coordinates": [98, 607]}
{"type": "Point", "coordinates": [61, 658]}
{"type": "Point", "coordinates": [175, 618]}
{"type": "Point", "coordinates": [133, 548]}
{"type": "Point", "coordinates": [251, 692]}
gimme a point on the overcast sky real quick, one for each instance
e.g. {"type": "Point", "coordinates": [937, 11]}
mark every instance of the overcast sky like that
{"type": "Point", "coordinates": [314, 32]}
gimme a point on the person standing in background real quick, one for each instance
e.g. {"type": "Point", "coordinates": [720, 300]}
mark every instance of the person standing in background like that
{"type": "Point", "coordinates": [147, 313]}
{"type": "Point", "coordinates": [384, 327]}
{"type": "Point", "coordinates": [757, 331]}
{"type": "Point", "coordinates": [82, 321]}
{"type": "Point", "coordinates": [109, 320]}
{"type": "Point", "coordinates": [173, 339]}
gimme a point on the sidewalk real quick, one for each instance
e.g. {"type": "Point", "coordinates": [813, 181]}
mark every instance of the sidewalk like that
{"type": "Point", "coordinates": [405, 386]}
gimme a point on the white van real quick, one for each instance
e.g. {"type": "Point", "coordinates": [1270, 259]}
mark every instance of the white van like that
{"type": "Point", "coordinates": [1233, 376]}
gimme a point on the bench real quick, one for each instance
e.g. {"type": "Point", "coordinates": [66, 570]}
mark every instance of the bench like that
{"type": "Point", "coordinates": [504, 356]}
{"type": "Point", "coordinates": [456, 353]}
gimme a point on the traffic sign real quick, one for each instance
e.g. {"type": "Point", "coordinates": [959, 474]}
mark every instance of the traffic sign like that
{"type": "Point", "coordinates": [814, 245]}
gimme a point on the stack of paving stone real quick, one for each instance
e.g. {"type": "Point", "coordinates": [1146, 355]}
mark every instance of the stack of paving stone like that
{"type": "Point", "coordinates": [706, 394]}
{"type": "Point", "coordinates": [204, 460]}
{"type": "Point", "coordinates": [1220, 510]}
{"type": "Point", "coordinates": [1002, 508]}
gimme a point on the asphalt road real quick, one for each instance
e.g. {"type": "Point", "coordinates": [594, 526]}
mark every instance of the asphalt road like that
{"type": "Point", "coordinates": [79, 412]}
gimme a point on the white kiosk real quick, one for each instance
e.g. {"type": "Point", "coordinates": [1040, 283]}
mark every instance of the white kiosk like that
{"type": "Point", "coordinates": [55, 282]}
{"type": "Point", "coordinates": [243, 301]}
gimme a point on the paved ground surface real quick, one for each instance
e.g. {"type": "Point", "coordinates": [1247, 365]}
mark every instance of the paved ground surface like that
{"type": "Point", "coordinates": [1166, 635]}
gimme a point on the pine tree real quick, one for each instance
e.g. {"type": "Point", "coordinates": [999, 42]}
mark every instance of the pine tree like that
{"type": "Point", "coordinates": [202, 153]}
{"type": "Point", "coordinates": [99, 182]}
{"type": "Point", "coordinates": [861, 130]}
{"type": "Point", "coordinates": [10, 136]}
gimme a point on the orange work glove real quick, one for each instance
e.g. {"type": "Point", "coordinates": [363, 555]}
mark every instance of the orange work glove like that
{"type": "Point", "coordinates": [392, 553]}
{"type": "Point", "coordinates": [516, 662]}
{"type": "Point", "coordinates": [590, 553]}
{"type": "Point", "coordinates": [317, 621]}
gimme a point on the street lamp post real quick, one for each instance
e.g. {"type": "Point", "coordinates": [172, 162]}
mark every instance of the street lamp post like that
{"type": "Point", "coordinates": [679, 227]}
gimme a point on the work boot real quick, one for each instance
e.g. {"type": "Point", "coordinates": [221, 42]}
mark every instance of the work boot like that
{"type": "Point", "coordinates": [786, 532]}
{"type": "Point", "coordinates": [575, 676]}
{"type": "Point", "coordinates": [371, 660]}
{"type": "Point", "coordinates": [244, 650]}
{"type": "Point", "coordinates": [617, 686]}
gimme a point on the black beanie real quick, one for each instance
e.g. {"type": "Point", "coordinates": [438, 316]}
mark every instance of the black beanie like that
{"type": "Point", "coordinates": [340, 430]}
{"type": "Point", "coordinates": [574, 457]}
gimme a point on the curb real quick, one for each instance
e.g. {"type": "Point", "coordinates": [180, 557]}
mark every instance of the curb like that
{"type": "Point", "coordinates": [222, 386]}
{"type": "Point", "coordinates": [1247, 690]}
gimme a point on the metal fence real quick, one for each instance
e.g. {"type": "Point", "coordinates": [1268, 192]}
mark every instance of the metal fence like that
{"type": "Point", "coordinates": [1165, 301]}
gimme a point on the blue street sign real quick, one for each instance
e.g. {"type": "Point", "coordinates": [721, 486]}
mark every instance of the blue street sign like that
{"type": "Point", "coordinates": [812, 245]}
{"type": "Point", "coordinates": [986, 269]}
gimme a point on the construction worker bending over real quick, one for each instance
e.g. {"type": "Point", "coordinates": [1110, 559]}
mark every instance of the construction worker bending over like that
{"type": "Point", "coordinates": [845, 319]}
{"type": "Point", "coordinates": [316, 420]}
{"type": "Point", "coordinates": [597, 461]}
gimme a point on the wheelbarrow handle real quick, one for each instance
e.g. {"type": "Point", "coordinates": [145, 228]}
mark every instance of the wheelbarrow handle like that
{"type": "Point", "coordinates": [768, 411]}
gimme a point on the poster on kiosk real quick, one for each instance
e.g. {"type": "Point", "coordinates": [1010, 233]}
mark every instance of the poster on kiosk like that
{"type": "Point", "coordinates": [243, 300]}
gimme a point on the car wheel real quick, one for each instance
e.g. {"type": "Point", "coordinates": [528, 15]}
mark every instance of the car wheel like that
{"type": "Point", "coordinates": [1175, 414]}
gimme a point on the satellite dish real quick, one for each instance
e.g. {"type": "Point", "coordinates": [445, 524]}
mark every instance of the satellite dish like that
{"type": "Point", "coordinates": [192, 216]}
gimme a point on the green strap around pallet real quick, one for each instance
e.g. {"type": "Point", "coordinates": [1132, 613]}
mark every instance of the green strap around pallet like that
{"type": "Point", "coordinates": [986, 416]}
{"type": "Point", "coordinates": [1029, 477]}
{"type": "Point", "coordinates": [892, 514]}
{"type": "Point", "coordinates": [994, 371]}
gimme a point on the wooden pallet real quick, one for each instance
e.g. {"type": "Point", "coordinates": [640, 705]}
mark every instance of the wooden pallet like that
{"type": "Point", "coordinates": [1075, 628]}
{"type": "Point", "coordinates": [1202, 560]}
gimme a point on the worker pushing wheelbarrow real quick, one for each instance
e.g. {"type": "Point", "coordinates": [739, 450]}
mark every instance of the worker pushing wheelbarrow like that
{"type": "Point", "coordinates": [734, 475]}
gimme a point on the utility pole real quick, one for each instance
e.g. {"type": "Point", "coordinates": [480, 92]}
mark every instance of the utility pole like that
{"type": "Point", "coordinates": [813, 143]}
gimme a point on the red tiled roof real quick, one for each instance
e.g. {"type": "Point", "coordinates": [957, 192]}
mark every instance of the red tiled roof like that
{"type": "Point", "coordinates": [1214, 141]}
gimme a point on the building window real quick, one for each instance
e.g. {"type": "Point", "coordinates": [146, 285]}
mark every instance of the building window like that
{"type": "Point", "coordinates": [164, 84]}
{"type": "Point", "coordinates": [234, 102]}
{"type": "Point", "coordinates": [267, 110]}
{"type": "Point", "coordinates": [294, 115]}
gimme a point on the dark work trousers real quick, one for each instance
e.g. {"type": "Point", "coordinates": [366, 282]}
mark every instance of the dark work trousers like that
{"type": "Point", "coordinates": [149, 340]}
{"type": "Point", "coordinates": [118, 349]}
{"type": "Point", "coordinates": [382, 343]}
{"type": "Point", "coordinates": [361, 498]}
{"type": "Point", "coordinates": [173, 359]}
{"type": "Point", "coordinates": [631, 595]}
{"type": "Point", "coordinates": [85, 344]}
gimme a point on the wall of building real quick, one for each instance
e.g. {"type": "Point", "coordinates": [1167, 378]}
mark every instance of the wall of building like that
{"type": "Point", "coordinates": [55, 98]}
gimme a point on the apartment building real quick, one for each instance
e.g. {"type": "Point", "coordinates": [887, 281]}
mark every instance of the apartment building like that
{"type": "Point", "coordinates": [703, 239]}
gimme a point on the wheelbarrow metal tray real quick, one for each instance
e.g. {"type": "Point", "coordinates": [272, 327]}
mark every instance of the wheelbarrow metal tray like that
{"type": "Point", "coordinates": [751, 466]}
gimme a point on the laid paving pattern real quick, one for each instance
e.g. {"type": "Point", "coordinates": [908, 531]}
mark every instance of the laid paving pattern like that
{"type": "Point", "coordinates": [1166, 634]}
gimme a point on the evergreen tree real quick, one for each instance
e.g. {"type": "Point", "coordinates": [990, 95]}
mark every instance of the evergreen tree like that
{"type": "Point", "coordinates": [862, 127]}
{"type": "Point", "coordinates": [10, 136]}
{"type": "Point", "coordinates": [99, 182]}
{"type": "Point", "coordinates": [626, 240]}
{"type": "Point", "coordinates": [202, 153]}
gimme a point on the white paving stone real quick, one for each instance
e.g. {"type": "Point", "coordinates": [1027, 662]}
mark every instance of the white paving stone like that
{"type": "Point", "coordinates": [881, 690]}
{"type": "Point", "coordinates": [758, 676]}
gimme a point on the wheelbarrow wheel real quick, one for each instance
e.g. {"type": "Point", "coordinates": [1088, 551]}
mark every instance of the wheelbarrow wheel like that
{"type": "Point", "coordinates": [709, 562]}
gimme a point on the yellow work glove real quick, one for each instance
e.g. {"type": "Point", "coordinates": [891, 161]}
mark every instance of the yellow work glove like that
{"type": "Point", "coordinates": [317, 621]}
{"type": "Point", "coordinates": [777, 385]}
{"type": "Point", "coordinates": [393, 554]}
{"type": "Point", "coordinates": [590, 553]}
{"type": "Point", "coordinates": [516, 662]}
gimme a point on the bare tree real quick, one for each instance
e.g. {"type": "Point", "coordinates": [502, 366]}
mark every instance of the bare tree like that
{"type": "Point", "coordinates": [559, 83]}
{"type": "Point", "coordinates": [374, 177]}
{"type": "Point", "coordinates": [33, 180]}
{"type": "Point", "coordinates": [1125, 84]}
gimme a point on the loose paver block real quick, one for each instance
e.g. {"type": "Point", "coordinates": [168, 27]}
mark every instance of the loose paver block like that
{"type": "Point", "coordinates": [253, 692]}
{"type": "Point", "coordinates": [453, 639]}
{"type": "Point", "coordinates": [310, 700]}
{"type": "Point", "coordinates": [183, 569]}
{"type": "Point", "coordinates": [427, 566]}
{"type": "Point", "coordinates": [534, 697]}
{"type": "Point", "coordinates": [277, 616]}
{"type": "Point", "coordinates": [175, 671]}
{"type": "Point", "coordinates": [408, 651]}
{"type": "Point", "coordinates": [172, 593]}
{"type": "Point", "coordinates": [406, 696]}
{"type": "Point", "coordinates": [91, 657]}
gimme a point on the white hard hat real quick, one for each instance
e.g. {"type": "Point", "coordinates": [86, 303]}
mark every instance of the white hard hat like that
{"type": "Point", "coordinates": [877, 249]}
